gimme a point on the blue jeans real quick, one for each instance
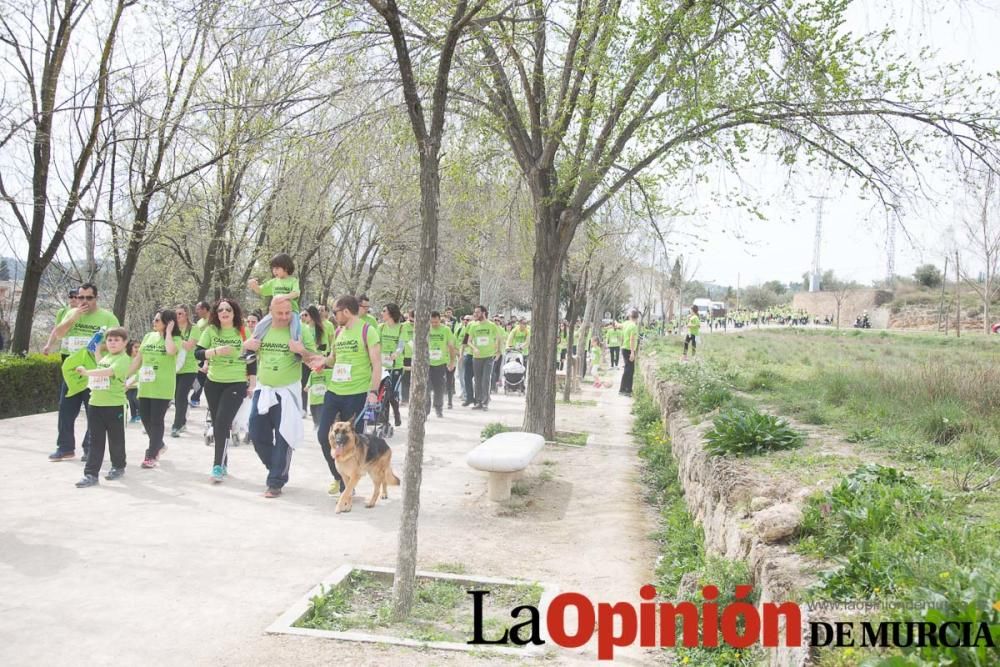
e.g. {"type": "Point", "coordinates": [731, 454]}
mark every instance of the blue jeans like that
{"type": "Point", "coordinates": [339, 408]}
{"type": "Point", "coordinates": [69, 410]}
{"type": "Point", "coordinates": [272, 449]}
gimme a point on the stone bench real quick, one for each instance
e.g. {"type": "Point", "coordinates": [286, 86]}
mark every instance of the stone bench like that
{"type": "Point", "coordinates": [504, 456]}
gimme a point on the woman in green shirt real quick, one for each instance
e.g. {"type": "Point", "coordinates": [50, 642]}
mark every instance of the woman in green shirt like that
{"type": "Point", "coordinates": [227, 385]}
{"type": "Point", "coordinates": [314, 338]}
{"type": "Point", "coordinates": [188, 371]}
{"type": "Point", "coordinates": [390, 333]}
{"type": "Point", "coordinates": [156, 361]}
{"type": "Point", "coordinates": [406, 335]}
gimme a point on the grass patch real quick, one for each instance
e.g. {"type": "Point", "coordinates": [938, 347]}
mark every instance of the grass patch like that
{"type": "Point", "coordinates": [576, 439]}
{"type": "Point", "coordinates": [442, 609]}
{"type": "Point", "coordinates": [680, 541]}
{"type": "Point", "coordinates": [920, 533]}
{"type": "Point", "coordinates": [588, 403]}
{"type": "Point", "coordinates": [493, 428]}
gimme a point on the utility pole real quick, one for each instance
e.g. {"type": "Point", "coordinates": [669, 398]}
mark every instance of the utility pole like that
{"type": "Point", "coordinates": [944, 280]}
{"type": "Point", "coordinates": [814, 285]}
{"type": "Point", "coordinates": [958, 299]}
{"type": "Point", "coordinates": [890, 269]}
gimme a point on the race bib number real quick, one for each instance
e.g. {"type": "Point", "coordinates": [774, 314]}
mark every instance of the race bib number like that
{"type": "Point", "coordinates": [318, 390]}
{"type": "Point", "coordinates": [98, 383]}
{"type": "Point", "coordinates": [75, 343]}
{"type": "Point", "coordinates": [341, 373]}
{"type": "Point", "coordinates": [436, 355]}
{"type": "Point", "coordinates": [147, 374]}
{"type": "Point", "coordinates": [482, 341]}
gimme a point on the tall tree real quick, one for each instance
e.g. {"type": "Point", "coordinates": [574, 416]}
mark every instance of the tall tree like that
{"type": "Point", "coordinates": [592, 94]}
{"type": "Point", "coordinates": [428, 134]}
{"type": "Point", "coordinates": [40, 36]}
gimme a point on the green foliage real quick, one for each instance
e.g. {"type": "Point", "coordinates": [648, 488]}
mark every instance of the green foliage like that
{"type": "Point", "coordinates": [29, 385]}
{"type": "Point", "coordinates": [492, 429]}
{"type": "Point", "coordinates": [942, 423]}
{"type": "Point", "coordinates": [747, 433]}
{"type": "Point", "coordinates": [928, 275]}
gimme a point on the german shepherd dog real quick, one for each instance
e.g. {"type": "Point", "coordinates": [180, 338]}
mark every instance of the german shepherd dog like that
{"type": "Point", "coordinates": [356, 454]}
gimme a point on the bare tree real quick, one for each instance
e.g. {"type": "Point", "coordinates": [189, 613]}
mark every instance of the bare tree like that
{"type": "Point", "coordinates": [983, 234]}
{"type": "Point", "coordinates": [40, 36]}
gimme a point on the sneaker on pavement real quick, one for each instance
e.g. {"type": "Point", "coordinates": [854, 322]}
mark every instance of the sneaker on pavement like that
{"type": "Point", "coordinates": [148, 463]}
{"type": "Point", "coordinates": [194, 403]}
{"type": "Point", "coordinates": [135, 420]}
{"type": "Point", "coordinates": [217, 474]}
{"type": "Point", "coordinates": [335, 488]}
{"type": "Point", "coordinates": [59, 455]}
{"type": "Point", "coordinates": [87, 480]}
{"type": "Point", "coordinates": [225, 471]}
{"type": "Point", "coordinates": [439, 412]}
{"type": "Point", "coordinates": [485, 408]}
{"type": "Point", "coordinates": [114, 473]}
{"type": "Point", "coordinates": [272, 492]}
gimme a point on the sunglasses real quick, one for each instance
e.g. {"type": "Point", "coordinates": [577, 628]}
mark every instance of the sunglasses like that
{"type": "Point", "coordinates": [86, 298]}
{"type": "Point", "coordinates": [224, 310]}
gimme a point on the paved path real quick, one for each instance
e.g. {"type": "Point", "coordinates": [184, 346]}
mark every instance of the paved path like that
{"type": "Point", "coordinates": [164, 568]}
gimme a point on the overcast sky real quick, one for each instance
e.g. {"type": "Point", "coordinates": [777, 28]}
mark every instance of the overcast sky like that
{"type": "Point", "coordinates": [733, 245]}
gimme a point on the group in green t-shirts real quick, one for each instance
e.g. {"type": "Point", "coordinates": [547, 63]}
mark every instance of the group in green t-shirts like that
{"type": "Point", "coordinates": [294, 358]}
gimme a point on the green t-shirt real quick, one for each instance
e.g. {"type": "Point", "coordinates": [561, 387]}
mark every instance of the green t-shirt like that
{"type": "Point", "coordinates": [157, 375]}
{"type": "Point", "coordinates": [84, 329]}
{"type": "Point", "coordinates": [438, 340]}
{"type": "Point", "coordinates": [352, 370]}
{"type": "Point", "coordinates": [316, 386]}
{"type": "Point", "coordinates": [370, 319]}
{"type": "Point", "coordinates": [190, 364]}
{"type": "Point", "coordinates": [406, 335]}
{"type": "Point", "coordinates": [483, 338]}
{"type": "Point", "coordinates": [309, 338]}
{"type": "Point", "coordinates": [389, 334]}
{"type": "Point", "coordinates": [595, 356]}
{"type": "Point", "coordinates": [630, 334]}
{"type": "Point", "coordinates": [277, 366]}
{"type": "Point", "coordinates": [278, 286]}
{"type": "Point", "coordinates": [517, 337]}
{"type": "Point", "coordinates": [694, 325]}
{"type": "Point", "coordinates": [329, 330]}
{"type": "Point", "coordinates": [614, 337]}
{"type": "Point", "coordinates": [110, 391]}
{"type": "Point", "coordinates": [224, 368]}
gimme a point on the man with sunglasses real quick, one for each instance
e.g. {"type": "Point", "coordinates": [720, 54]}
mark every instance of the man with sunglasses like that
{"type": "Point", "coordinates": [76, 329]}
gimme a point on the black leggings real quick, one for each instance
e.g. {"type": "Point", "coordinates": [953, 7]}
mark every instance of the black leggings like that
{"type": "Point", "coordinates": [614, 355]}
{"type": "Point", "coordinates": [105, 423]}
{"type": "Point", "coordinates": [184, 383]}
{"type": "Point", "coordinates": [405, 385]}
{"type": "Point", "coordinates": [693, 340]}
{"type": "Point", "coordinates": [394, 378]}
{"type": "Point", "coordinates": [152, 411]}
{"type": "Point", "coordinates": [224, 401]}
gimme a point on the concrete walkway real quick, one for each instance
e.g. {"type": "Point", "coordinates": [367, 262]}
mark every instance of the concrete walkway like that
{"type": "Point", "coordinates": [165, 568]}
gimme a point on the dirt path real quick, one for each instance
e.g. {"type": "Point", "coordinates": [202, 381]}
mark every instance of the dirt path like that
{"type": "Point", "coordinates": [165, 568]}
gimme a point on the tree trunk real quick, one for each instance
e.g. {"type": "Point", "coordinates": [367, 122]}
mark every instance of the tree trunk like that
{"type": "Point", "coordinates": [540, 402]}
{"type": "Point", "coordinates": [30, 285]}
{"type": "Point", "coordinates": [404, 582]}
{"type": "Point", "coordinates": [958, 298]}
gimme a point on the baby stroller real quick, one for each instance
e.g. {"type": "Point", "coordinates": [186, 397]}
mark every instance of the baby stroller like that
{"type": "Point", "coordinates": [380, 422]}
{"type": "Point", "coordinates": [512, 371]}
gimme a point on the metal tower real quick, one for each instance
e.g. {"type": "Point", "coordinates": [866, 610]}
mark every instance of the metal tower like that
{"type": "Point", "coordinates": [815, 277]}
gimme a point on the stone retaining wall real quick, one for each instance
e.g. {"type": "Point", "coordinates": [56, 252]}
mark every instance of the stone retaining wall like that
{"type": "Point", "coordinates": [744, 517]}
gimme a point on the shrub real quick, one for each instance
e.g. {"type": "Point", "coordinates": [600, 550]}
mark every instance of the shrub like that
{"type": "Point", "coordinates": [29, 385]}
{"type": "Point", "coordinates": [492, 429]}
{"type": "Point", "coordinates": [749, 432]}
{"type": "Point", "coordinates": [943, 423]}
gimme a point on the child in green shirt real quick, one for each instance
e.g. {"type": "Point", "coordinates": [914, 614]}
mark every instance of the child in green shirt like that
{"type": "Point", "coordinates": [106, 414]}
{"type": "Point", "coordinates": [284, 287]}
